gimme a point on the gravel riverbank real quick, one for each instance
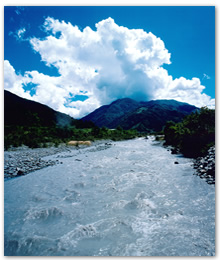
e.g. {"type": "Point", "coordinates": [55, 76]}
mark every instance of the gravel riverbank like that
{"type": "Point", "coordinates": [205, 166]}
{"type": "Point", "coordinates": [23, 160]}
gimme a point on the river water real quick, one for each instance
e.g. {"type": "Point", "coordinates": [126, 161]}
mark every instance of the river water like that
{"type": "Point", "coordinates": [131, 199]}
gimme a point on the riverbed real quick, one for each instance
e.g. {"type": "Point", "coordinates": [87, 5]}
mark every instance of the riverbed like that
{"type": "Point", "coordinates": [132, 198]}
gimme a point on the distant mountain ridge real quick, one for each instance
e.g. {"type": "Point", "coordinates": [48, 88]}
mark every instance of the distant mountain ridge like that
{"type": "Point", "coordinates": [24, 112]}
{"type": "Point", "coordinates": [143, 116]}
{"type": "Point", "coordinates": [129, 114]}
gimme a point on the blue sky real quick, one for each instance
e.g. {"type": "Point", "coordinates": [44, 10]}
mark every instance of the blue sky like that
{"type": "Point", "coordinates": [183, 69]}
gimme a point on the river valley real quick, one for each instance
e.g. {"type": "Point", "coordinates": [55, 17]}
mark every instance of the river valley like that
{"type": "Point", "coordinates": [132, 198]}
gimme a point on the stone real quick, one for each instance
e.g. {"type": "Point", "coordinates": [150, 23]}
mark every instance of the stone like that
{"type": "Point", "coordinates": [20, 172]}
{"type": "Point", "coordinates": [174, 151]}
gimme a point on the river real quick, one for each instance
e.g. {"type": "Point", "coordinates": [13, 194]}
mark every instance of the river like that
{"type": "Point", "coordinates": [133, 199]}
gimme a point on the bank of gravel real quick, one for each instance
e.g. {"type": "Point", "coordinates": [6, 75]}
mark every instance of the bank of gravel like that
{"type": "Point", "coordinates": [23, 160]}
{"type": "Point", "coordinates": [205, 166]}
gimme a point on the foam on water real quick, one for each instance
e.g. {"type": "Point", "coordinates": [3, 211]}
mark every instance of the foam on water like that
{"type": "Point", "coordinates": [127, 200]}
{"type": "Point", "coordinates": [42, 213]}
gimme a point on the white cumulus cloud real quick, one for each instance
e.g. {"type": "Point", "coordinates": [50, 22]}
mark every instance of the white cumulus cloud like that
{"type": "Point", "coordinates": [105, 64]}
{"type": "Point", "coordinates": [13, 82]}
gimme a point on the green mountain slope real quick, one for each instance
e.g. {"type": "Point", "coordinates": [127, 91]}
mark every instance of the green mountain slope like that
{"type": "Point", "coordinates": [142, 116]}
{"type": "Point", "coordinates": [109, 115]}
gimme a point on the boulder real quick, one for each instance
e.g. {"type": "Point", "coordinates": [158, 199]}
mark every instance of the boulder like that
{"type": "Point", "coordinates": [176, 162]}
{"type": "Point", "coordinates": [174, 150]}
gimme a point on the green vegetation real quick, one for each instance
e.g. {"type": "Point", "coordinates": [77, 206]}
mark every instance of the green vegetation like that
{"type": "Point", "coordinates": [36, 125]}
{"type": "Point", "coordinates": [194, 135]}
{"type": "Point", "coordinates": [41, 136]}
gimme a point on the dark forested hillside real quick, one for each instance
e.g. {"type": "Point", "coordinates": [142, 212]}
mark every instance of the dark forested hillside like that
{"type": "Point", "coordinates": [23, 112]}
{"type": "Point", "coordinates": [35, 125]}
{"type": "Point", "coordinates": [143, 116]}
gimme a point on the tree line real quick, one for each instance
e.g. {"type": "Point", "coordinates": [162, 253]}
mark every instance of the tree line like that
{"type": "Point", "coordinates": [43, 136]}
{"type": "Point", "coordinates": [194, 135]}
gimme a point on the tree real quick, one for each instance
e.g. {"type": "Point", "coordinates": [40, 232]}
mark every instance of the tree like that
{"type": "Point", "coordinates": [194, 135]}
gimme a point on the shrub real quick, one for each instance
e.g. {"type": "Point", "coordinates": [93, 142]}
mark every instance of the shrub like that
{"type": "Point", "coordinates": [194, 135]}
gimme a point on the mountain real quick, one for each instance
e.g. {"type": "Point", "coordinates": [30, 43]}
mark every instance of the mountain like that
{"type": "Point", "coordinates": [143, 116]}
{"type": "Point", "coordinates": [24, 112]}
{"type": "Point", "coordinates": [109, 115]}
{"type": "Point", "coordinates": [128, 113]}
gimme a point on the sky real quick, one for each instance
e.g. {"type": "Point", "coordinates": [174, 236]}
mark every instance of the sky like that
{"type": "Point", "coordinates": [75, 59]}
